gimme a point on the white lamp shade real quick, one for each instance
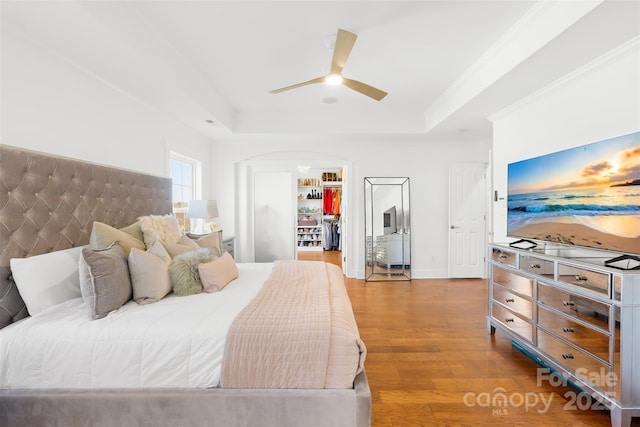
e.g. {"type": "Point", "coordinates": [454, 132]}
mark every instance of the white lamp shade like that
{"type": "Point", "coordinates": [205, 209]}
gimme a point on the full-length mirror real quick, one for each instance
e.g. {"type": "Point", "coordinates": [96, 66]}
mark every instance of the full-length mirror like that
{"type": "Point", "coordinates": [387, 229]}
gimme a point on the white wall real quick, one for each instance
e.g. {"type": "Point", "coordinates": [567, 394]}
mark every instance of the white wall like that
{"type": "Point", "coordinates": [52, 105]}
{"type": "Point", "coordinates": [597, 102]}
{"type": "Point", "coordinates": [425, 163]}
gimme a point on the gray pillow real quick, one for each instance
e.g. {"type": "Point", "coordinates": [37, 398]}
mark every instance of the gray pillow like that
{"type": "Point", "coordinates": [183, 271]}
{"type": "Point", "coordinates": [104, 279]}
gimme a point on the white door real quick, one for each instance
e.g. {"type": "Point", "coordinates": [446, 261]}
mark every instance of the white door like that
{"type": "Point", "coordinates": [467, 219]}
{"type": "Point", "coordinates": [274, 224]}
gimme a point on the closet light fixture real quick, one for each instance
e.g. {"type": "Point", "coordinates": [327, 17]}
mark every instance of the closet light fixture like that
{"type": "Point", "coordinates": [304, 169]}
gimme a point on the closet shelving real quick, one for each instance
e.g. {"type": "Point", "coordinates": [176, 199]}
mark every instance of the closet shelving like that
{"type": "Point", "coordinates": [309, 229]}
{"type": "Point", "coordinates": [319, 213]}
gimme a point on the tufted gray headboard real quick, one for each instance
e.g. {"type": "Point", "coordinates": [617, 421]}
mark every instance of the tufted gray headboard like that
{"type": "Point", "coordinates": [49, 203]}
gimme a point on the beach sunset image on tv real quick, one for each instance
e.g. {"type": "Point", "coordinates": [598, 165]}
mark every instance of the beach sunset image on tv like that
{"type": "Point", "coordinates": [586, 196]}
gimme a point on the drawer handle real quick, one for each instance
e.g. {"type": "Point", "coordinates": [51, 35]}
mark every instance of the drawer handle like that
{"type": "Point", "coordinates": [569, 303]}
{"type": "Point", "coordinates": [567, 356]}
{"type": "Point", "coordinates": [510, 300]}
{"type": "Point", "coordinates": [568, 330]}
{"type": "Point", "coordinates": [508, 320]}
{"type": "Point", "coordinates": [502, 256]}
{"type": "Point", "coordinates": [535, 265]}
{"type": "Point", "coordinates": [580, 278]}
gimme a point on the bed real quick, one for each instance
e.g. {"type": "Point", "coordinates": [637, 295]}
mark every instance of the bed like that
{"type": "Point", "coordinates": [204, 377]}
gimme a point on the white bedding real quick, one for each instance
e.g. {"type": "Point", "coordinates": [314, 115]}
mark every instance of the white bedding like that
{"type": "Point", "coordinates": [176, 342]}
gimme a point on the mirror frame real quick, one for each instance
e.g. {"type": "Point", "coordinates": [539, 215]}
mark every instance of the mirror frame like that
{"type": "Point", "coordinates": [378, 243]}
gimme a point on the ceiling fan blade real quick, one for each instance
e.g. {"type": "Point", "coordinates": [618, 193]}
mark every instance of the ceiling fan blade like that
{"type": "Point", "coordinates": [364, 89]}
{"type": "Point", "coordinates": [344, 43]}
{"type": "Point", "coordinates": [308, 82]}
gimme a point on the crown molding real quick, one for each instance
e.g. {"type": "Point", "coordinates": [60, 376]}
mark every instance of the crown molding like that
{"type": "Point", "coordinates": [628, 47]}
{"type": "Point", "coordinates": [543, 22]}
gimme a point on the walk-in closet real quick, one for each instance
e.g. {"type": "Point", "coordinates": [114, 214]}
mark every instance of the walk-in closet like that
{"type": "Point", "coordinates": [320, 208]}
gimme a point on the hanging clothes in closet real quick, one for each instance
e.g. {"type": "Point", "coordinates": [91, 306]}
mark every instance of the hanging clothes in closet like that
{"type": "Point", "coordinates": [331, 205]}
{"type": "Point", "coordinates": [332, 197]}
{"type": "Point", "coordinates": [331, 236]}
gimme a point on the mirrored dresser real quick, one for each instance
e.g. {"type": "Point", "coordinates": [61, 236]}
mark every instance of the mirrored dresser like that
{"type": "Point", "coordinates": [573, 315]}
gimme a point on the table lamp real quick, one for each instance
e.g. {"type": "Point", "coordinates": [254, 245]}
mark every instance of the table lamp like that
{"type": "Point", "coordinates": [204, 210]}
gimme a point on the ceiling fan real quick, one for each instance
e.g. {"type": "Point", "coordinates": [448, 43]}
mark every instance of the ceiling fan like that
{"type": "Point", "coordinates": [344, 43]}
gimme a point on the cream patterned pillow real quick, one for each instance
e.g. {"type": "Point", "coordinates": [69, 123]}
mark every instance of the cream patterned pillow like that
{"type": "Point", "coordinates": [160, 227]}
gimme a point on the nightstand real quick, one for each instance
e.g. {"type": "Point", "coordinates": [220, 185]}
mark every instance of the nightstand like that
{"type": "Point", "coordinates": [228, 245]}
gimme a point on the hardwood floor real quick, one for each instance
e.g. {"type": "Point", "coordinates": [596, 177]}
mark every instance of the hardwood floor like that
{"type": "Point", "coordinates": [431, 361]}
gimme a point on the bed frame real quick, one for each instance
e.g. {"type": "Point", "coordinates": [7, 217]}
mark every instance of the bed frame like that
{"type": "Point", "coordinates": [49, 203]}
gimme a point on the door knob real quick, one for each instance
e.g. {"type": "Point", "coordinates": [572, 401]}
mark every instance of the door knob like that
{"type": "Point", "coordinates": [453, 227]}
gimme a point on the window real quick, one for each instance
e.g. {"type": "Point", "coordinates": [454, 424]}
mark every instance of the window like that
{"type": "Point", "coordinates": [185, 176]}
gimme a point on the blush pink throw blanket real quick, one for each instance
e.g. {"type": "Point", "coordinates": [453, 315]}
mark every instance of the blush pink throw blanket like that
{"type": "Point", "coordinates": [298, 332]}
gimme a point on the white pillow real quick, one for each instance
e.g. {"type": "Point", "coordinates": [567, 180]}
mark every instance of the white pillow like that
{"type": "Point", "coordinates": [48, 279]}
{"type": "Point", "coordinates": [160, 227]}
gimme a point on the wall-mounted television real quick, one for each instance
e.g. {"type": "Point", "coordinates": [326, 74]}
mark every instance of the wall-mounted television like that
{"type": "Point", "coordinates": [389, 221]}
{"type": "Point", "coordinates": [587, 196]}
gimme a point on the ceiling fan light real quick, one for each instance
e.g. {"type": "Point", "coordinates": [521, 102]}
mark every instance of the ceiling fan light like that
{"type": "Point", "coordinates": [333, 79]}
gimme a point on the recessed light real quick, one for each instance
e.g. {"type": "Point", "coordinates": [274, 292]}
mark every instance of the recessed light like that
{"type": "Point", "coordinates": [330, 100]}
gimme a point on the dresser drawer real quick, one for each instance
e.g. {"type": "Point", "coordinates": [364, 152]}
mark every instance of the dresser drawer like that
{"type": "Point", "coordinates": [577, 361]}
{"type": "Point", "coordinates": [617, 288]}
{"type": "Point", "coordinates": [580, 307]}
{"type": "Point", "coordinates": [513, 322]}
{"type": "Point", "coordinates": [504, 257]}
{"type": "Point", "coordinates": [535, 265]}
{"type": "Point", "coordinates": [593, 341]}
{"type": "Point", "coordinates": [513, 281]}
{"type": "Point", "coordinates": [592, 280]}
{"type": "Point", "coordinates": [514, 302]}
